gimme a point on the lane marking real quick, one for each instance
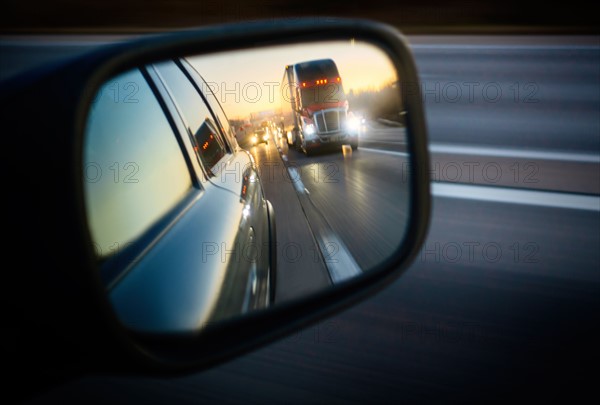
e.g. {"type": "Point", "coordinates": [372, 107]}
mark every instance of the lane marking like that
{"type": "Point", "coordinates": [338, 260]}
{"type": "Point", "coordinates": [506, 153]}
{"type": "Point", "coordinates": [384, 141]}
{"type": "Point", "coordinates": [295, 179]}
{"type": "Point", "coordinates": [385, 152]}
{"type": "Point", "coordinates": [494, 47]}
{"type": "Point", "coordinates": [516, 196]}
{"type": "Point", "coordinates": [513, 153]}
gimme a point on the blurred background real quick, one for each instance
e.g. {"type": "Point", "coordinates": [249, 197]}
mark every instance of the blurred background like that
{"type": "Point", "coordinates": [413, 16]}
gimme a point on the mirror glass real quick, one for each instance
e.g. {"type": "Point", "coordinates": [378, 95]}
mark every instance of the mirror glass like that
{"type": "Point", "coordinates": [223, 184]}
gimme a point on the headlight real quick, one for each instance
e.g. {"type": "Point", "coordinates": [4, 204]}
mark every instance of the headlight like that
{"type": "Point", "coordinates": [310, 129]}
{"type": "Point", "coordinates": [266, 137]}
{"type": "Point", "coordinates": [353, 123]}
{"type": "Point", "coordinates": [254, 139]}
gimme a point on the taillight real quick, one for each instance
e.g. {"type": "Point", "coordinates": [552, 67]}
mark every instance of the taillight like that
{"type": "Point", "coordinates": [245, 184]}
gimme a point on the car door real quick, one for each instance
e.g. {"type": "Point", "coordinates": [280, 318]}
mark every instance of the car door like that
{"type": "Point", "coordinates": [229, 168]}
{"type": "Point", "coordinates": [166, 238]}
{"type": "Point", "coordinates": [250, 174]}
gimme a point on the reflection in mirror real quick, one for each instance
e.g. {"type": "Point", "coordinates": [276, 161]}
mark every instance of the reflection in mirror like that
{"type": "Point", "coordinates": [221, 184]}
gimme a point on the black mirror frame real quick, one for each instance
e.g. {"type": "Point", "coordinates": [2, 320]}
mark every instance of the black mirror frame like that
{"type": "Point", "coordinates": [92, 326]}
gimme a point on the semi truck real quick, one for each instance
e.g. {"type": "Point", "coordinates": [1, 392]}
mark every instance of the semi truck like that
{"type": "Point", "coordinates": [315, 97]}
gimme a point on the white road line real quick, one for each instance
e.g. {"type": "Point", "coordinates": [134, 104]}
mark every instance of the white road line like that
{"type": "Point", "coordinates": [337, 258]}
{"type": "Point", "coordinates": [508, 47]}
{"type": "Point", "coordinates": [339, 261]}
{"type": "Point", "coordinates": [516, 196]}
{"type": "Point", "coordinates": [385, 152]}
{"type": "Point", "coordinates": [513, 153]}
{"type": "Point", "coordinates": [295, 178]}
{"type": "Point", "coordinates": [507, 153]}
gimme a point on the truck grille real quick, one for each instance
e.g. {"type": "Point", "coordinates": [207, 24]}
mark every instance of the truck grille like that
{"type": "Point", "coordinates": [329, 120]}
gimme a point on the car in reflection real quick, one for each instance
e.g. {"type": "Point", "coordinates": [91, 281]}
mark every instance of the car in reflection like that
{"type": "Point", "coordinates": [183, 234]}
{"type": "Point", "coordinates": [260, 136]}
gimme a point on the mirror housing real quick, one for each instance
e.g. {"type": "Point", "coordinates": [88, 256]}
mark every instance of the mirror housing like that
{"type": "Point", "coordinates": [56, 301]}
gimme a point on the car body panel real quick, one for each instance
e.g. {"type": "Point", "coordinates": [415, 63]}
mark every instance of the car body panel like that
{"type": "Point", "coordinates": [212, 262]}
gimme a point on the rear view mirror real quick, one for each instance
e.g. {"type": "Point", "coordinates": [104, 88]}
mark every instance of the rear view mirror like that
{"type": "Point", "coordinates": [315, 149]}
{"type": "Point", "coordinates": [226, 186]}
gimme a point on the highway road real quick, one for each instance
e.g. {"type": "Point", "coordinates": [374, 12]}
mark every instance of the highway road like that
{"type": "Point", "coordinates": [333, 220]}
{"type": "Point", "coordinates": [449, 329]}
{"type": "Point", "coordinates": [506, 291]}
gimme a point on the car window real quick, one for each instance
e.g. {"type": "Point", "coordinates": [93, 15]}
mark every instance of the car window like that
{"type": "Point", "coordinates": [135, 171]}
{"type": "Point", "coordinates": [212, 102]}
{"type": "Point", "coordinates": [208, 143]}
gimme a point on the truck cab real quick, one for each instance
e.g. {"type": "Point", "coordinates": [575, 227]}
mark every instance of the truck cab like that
{"type": "Point", "coordinates": [319, 107]}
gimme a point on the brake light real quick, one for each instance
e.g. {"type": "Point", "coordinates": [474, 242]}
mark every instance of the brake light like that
{"type": "Point", "coordinates": [245, 183]}
{"type": "Point", "coordinates": [322, 81]}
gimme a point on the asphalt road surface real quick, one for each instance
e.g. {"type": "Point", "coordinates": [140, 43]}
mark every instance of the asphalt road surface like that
{"type": "Point", "coordinates": [331, 214]}
{"type": "Point", "coordinates": [506, 291]}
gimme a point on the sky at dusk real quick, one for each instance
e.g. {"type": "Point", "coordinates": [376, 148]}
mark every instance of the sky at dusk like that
{"type": "Point", "coordinates": [249, 81]}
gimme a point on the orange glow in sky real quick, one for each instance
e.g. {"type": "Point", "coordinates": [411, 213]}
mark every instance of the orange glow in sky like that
{"type": "Point", "coordinates": [249, 81]}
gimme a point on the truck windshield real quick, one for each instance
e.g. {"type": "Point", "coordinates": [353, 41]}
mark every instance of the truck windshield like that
{"type": "Point", "coordinates": [327, 93]}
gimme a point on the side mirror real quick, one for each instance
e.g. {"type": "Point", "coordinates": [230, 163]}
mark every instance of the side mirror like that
{"type": "Point", "coordinates": [153, 237]}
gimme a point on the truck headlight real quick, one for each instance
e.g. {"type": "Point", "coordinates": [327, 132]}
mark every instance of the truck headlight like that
{"type": "Point", "coordinates": [309, 129]}
{"type": "Point", "coordinates": [353, 124]}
